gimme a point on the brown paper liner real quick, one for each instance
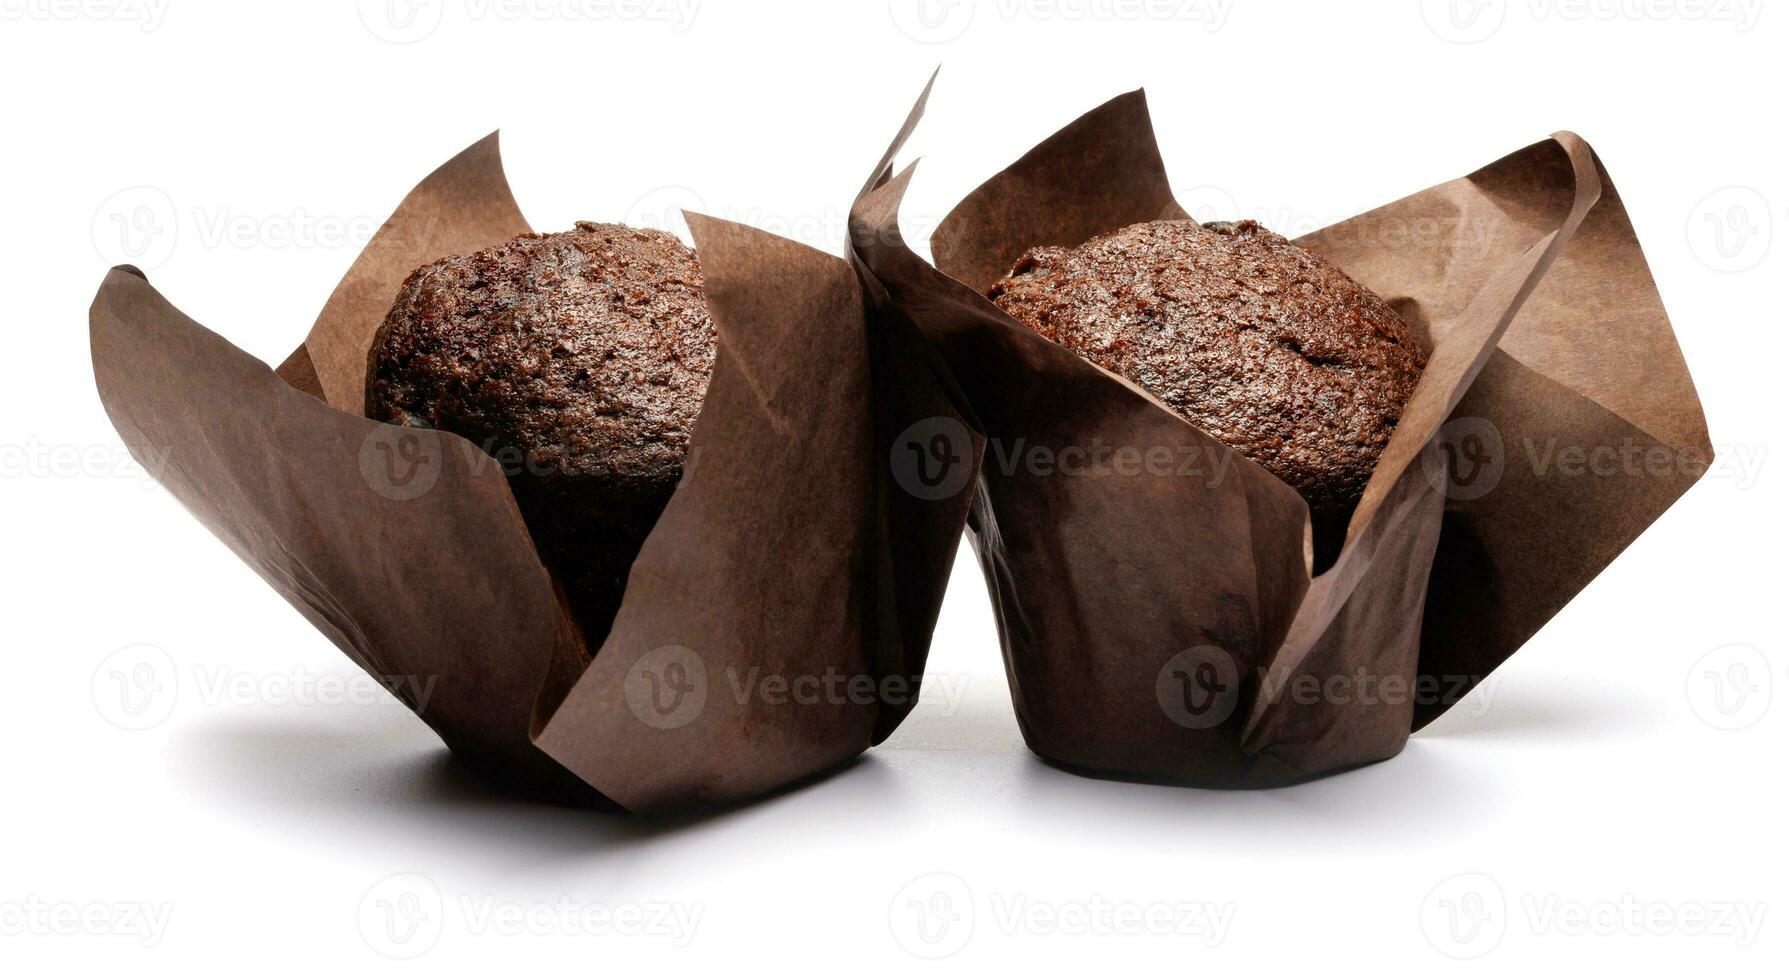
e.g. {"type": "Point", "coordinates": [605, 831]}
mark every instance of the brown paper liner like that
{"type": "Point", "coordinates": [785, 556]}
{"type": "Point", "coordinates": [1164, 624]}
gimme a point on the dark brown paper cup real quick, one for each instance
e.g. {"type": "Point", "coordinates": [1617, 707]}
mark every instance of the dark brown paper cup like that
{"type": "Point", "coordinates": [775, 623]}
{"type": "Point", "coordinates": [1153, 590]}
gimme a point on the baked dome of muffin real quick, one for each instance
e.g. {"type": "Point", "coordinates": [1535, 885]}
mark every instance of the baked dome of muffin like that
{"type": "Point", "coordinates": [1260, 343]}
{"type": "Point", "coordinates": [579, 361]}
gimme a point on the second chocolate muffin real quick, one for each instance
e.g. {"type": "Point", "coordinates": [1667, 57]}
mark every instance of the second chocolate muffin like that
{"type": "Point", "coordinates": [579, 361]}
{"type": "Point", "coordinates": [1264, 345]}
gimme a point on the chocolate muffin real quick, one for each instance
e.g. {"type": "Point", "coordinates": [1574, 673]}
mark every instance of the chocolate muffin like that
{"type": "Point", "coordinates": [1260, 343]}
{"type": "Point", "coordinates": [579, 361]}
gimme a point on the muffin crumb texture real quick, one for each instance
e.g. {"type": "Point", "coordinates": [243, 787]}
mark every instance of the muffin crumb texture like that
{"type": "Point", "coordinates": [579, 361]}
{"type": "Point", "coordinates": [1264, 345]}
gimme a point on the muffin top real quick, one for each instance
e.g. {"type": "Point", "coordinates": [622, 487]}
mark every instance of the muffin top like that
{"type": "Point", "coordinates": [1264, 345]}
{"type": "Point", "coordinates": [587, 352]}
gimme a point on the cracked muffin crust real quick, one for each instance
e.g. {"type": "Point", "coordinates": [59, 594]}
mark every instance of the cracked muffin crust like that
{"type": "Point", "coordinates": [579, 361]}
{"type": "Point", "coordinates": [1264, 345]}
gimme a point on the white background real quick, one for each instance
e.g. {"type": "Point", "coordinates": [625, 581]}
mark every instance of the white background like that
{"type": "Point", "coordinates": [242, 152]}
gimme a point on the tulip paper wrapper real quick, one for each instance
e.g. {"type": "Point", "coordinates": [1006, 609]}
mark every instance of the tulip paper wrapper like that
{"type": "Point", "coordinates": [1162, 622]}
{"type": "Point", "coordinates": [785, 555]}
